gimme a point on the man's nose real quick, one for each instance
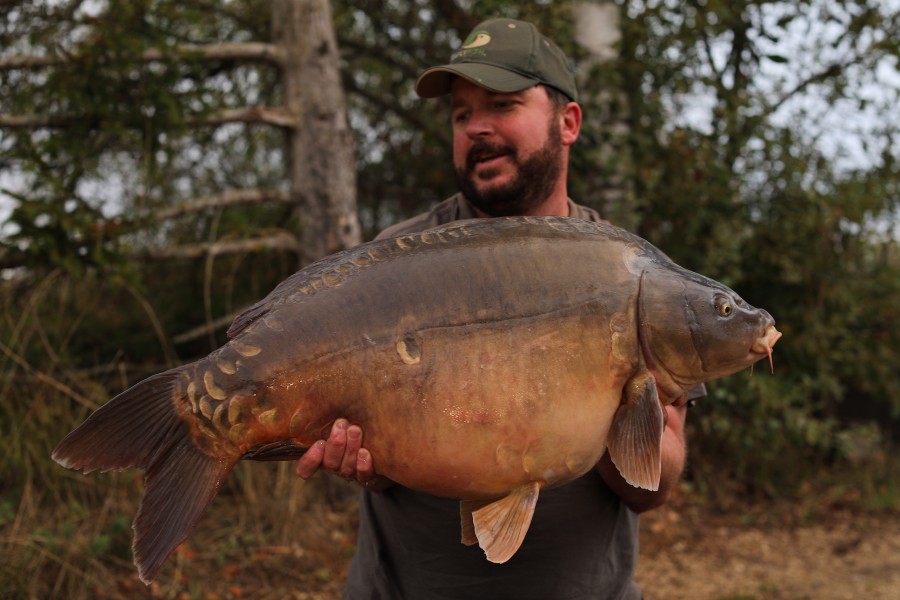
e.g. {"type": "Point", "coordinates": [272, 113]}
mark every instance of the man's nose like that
{"type": "Point", "coordinates": [480, 124]}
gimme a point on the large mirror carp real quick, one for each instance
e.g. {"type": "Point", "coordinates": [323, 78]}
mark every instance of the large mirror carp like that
{"type": "Point", "coordinates": [484, 360]}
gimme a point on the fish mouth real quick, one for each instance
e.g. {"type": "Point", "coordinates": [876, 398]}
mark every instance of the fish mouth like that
{"type": "Point", "coordinates": [764, 344]}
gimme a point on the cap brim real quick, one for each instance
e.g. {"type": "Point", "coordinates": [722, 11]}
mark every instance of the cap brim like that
{"type": "Point", "coordinates": [435, 81]}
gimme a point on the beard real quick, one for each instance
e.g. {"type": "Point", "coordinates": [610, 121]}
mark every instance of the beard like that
{"type": "Point", "coordinates": [534, 180]}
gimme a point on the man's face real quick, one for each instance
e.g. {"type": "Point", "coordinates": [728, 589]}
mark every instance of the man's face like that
{"type": "Point", "coordinates": [507, 148]}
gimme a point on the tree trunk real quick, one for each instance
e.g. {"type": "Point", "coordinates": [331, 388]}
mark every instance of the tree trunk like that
{"type": "Point", "coordinates": [321, 156]}
{"type": "Point", "coordinates": [598, 31]}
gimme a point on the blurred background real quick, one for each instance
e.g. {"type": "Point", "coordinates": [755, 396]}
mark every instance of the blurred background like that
{"type": "Point", "coordinates": [165, 164]}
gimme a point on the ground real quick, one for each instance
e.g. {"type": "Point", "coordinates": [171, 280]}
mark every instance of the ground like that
{"type": "Point", "coordinates": [718, 557]}
{"type": "Point", "coordinates": [687, 552]}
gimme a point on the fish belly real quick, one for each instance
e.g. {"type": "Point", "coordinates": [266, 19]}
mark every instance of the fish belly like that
{"type": "Point", "coordinates": [475, 410]}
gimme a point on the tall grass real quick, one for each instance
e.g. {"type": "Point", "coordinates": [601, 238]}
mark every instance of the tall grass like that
{"type": "Point", "coordinates": [67, 535]}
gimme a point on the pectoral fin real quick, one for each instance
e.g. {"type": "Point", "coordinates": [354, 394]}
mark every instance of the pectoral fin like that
{"type": "Point", "coordinates": [500, 526]}
{"type": "Point", "coordinates": [635, 436]}
{"type": "Point", "coordinates": [281, 450]}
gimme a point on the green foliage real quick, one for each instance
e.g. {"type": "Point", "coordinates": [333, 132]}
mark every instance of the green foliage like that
{"type": "Point", "coordinates": [117, 149]}
{"type": "Point", "coordinates": [117, 146]}
{"type": "Point", "coordinates": [697, 138]}
{"type": "Point", "coordinates": [750, 199]}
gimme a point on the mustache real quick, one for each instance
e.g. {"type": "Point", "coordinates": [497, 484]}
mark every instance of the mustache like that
{"type": "Point", "coordinates": [485, 150]}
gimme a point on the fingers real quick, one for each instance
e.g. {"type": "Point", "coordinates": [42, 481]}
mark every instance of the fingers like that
{"type": "Point", "coordinates": [309, 463]}
{"type": "Point", "coordinates": [336, 446]}
{"type": "Point", "coordinates": [342, 453]}
{"type": "Point", "coordinates": [350, 456]}
{"type": "Point", "coordinates": [364, 469]}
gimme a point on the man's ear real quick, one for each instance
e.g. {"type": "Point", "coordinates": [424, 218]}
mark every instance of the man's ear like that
{"type": "Point", "coordinates": [570, 123]}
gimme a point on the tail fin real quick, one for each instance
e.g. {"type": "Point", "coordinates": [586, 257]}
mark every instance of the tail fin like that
{"type": "Point", "coordinates": [140, 429]}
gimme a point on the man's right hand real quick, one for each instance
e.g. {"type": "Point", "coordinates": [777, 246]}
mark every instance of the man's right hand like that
{"type": "Point", "coordinates": [342, 454]}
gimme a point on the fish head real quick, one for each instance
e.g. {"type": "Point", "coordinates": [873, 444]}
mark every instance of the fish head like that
{"type": "Point", "coordinates": [694, 329]}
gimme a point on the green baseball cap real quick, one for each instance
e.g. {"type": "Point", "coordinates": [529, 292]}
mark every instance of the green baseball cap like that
{"type": "Point", "coordinates": [502, 55]}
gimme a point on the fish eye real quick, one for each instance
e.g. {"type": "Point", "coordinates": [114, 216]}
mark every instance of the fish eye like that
{"type": "Point", "coordinates": [724, 307]}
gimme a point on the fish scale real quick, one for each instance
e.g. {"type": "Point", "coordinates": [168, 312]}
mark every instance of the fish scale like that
{"type": "Point", "coordinates": [485, 361]}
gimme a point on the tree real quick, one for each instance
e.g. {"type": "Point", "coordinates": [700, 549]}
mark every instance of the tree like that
{"type": "Point", "coordinates": [732, 177]}
{"type": "Point", "coordinates": [181, 115]}
{"type": "Point", "coordinates": [322, 165]}
{"type": "Point", "coordinates": [698, 136]}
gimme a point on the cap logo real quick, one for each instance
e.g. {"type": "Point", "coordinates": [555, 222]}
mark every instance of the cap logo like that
{"type": "Point", "coordinates": [476, 39]}
{"type": "Point", "coordinates": [473, 45]}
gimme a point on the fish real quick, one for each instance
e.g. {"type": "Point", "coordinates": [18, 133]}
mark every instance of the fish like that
{"type": "Point", "coordinates": [485, 360]}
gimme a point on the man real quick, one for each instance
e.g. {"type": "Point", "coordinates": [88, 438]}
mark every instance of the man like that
{"type": "Point", "coordinates": [514, 116]}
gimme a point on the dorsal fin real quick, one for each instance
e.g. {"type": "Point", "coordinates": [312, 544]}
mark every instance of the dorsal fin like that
{"type": "Point", "coordinates": [330, 271]}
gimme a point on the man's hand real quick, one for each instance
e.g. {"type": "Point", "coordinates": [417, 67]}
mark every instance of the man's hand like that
{"type": "Point", "coordinates": [342, 454]}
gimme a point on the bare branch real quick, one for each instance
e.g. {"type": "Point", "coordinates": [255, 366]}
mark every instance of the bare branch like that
{"type": "Point", "coordinates": [207, 328]}
{"type": "Point", "coordinates": [281, 241]}
{"type": "Point", "coordinates": [34, 121]}
{"type": "Point", "coordinates": [278, 242]}
{"type": "Point", "coordinates": [250, 51]}
{"type": "Point", "coordinates": [229, 198]}
{"type": "Point", "coordinates": [707, 46]}
{"type": "Point", "coordinates": [276, 116]}
{"type": "Point", "coordinates": [821, 76]}
{"type": "Point", "coordinates": [10, 63]}
{"type": "Point", "coordinates": [45, 378]}
{"type": "Point", "coordinates": [388, 104]}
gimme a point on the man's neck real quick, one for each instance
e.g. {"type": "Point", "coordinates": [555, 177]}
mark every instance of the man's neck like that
{"type": "Point", "coordinates": [555, 206]}
{"type": "Point", "coordinates": [557, 203]}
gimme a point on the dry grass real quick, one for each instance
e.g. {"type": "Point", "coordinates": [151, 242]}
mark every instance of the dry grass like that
{"type": "Point", "coordinates": [66, 535]}
{"type": "Point", "coordinates": [269, 535]}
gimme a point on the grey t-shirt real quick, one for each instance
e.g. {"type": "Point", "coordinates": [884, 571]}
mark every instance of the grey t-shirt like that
{"type": "Point", "coordinates": [457, 208]}
{"type": "Point", "coordinates": [582, 543]}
